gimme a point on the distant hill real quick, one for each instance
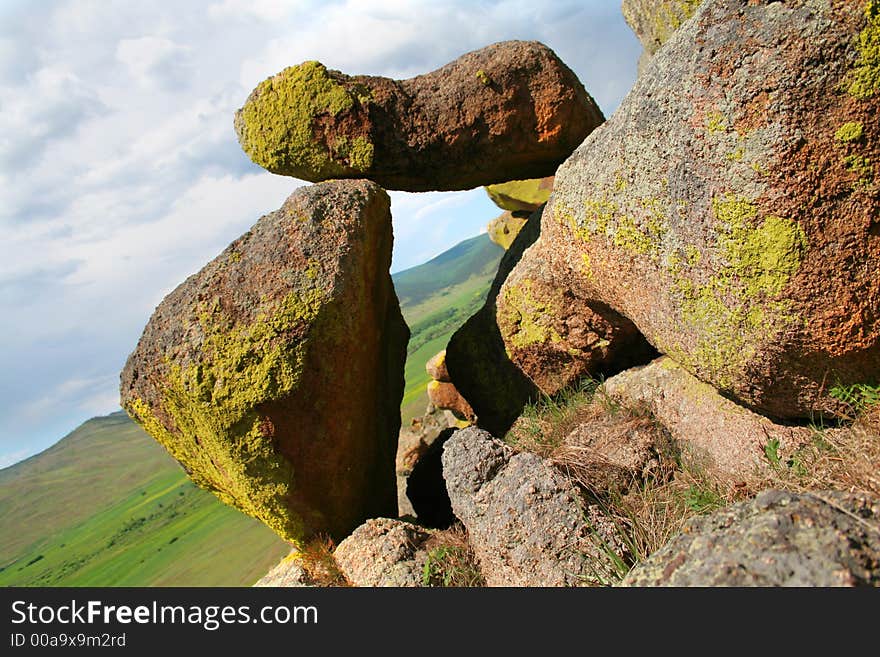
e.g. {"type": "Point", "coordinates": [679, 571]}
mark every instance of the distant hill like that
{"type": "Point", "coordinates": [107, 506]}
{"type": "Point", "coordinates": [436, 298]}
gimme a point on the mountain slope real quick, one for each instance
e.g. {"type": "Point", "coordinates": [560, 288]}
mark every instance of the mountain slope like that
{"type": "Point", "coordinates": [436, 298]}
{"type": "Point", "coordinates": [107, 506]}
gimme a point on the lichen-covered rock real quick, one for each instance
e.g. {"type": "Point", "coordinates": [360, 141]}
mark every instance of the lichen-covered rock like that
{"type": "Point", "coordinates": [777, 539]}
{"type": "Point", "coordinates": [712, 432]}
{"type": "Point", "coordinates": [436, 367]}
{"type": "Point", "coordinates": [729, 208]}
{"type": "Point", "coordinates": [504, 228]}
{"type": "Point", "coordinates": [556, 335]}
{"type": "Point", "coordinates": [509, 111]}
{"type": "Point", "coordinates": [527, 523]}
{"type": "Point", "coordinates": [384, 552]}
{"type": "Point", "coordinates": [288, 573]}
{"type": "Point", "coordinates": [654, 21]}
{"type": "Point", "coordinates": [521, 195]}
{"type": "Point", "coordinates": [274, 375]}
{"type": "Point", "coordinates": [476, 358]}
{"type": "Point", "coordinates": [445, 395]}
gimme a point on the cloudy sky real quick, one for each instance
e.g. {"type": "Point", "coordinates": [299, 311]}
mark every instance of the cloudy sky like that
{"type": "Point", "coordinates": [120, 173]}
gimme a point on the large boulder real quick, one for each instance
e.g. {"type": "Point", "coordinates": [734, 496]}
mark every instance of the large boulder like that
{"type": "Point", "coordinates": [729, 207]}
{"type": "Point", "coordinates": [275, 374]}
{"type": "Point", "coordinates": [777, 539]}
{"type": "Point", "coordinates": [384, 552]}
{"type": "Point", "coordinates": [289, 573]}
{"type": "Point", "coordinates": [509, 111]}
{"type": "Point", "coordinates": [712, 433]}
{"type": "Point", "coordinates": [527, 523]}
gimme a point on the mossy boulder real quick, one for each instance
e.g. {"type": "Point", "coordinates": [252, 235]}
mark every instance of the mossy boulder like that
{"type": "Point", "coordinates": [510, 111]}
{"type": "Point", "coordinates": [274, 375]}
{"type": "Point", "coordinates": [729, 207]}
{"type": "Point", "coordinates": [521, 195]}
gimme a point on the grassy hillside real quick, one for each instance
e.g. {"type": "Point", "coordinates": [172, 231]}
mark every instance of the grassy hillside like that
{"type": "Point", "coordinates": [436, 298]}
{"type": "Point", "coordinates": [107, 506]}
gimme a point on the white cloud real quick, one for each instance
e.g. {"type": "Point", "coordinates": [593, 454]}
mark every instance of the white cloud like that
{"type": "Point", "coordinates": [155, 60]}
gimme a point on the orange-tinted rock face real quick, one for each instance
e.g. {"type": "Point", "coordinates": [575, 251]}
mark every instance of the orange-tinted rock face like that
{"type": "Point", "coordinates": [444, 395]}
{"type": "Point", "coordinates": [729, 208]}
{"type": "Point", "coordinates": [275, 374]}
{"type": "Point", "coordinates": [510, 111]}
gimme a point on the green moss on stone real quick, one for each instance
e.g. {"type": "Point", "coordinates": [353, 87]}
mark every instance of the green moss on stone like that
{"type": "Point", "coordinates": [219, 434]}
{"type": "Point", "coordinates": [276, 124]}
{"type": "Point", "coordinates": [864, 79]}
{"type": "Point", "coordinates": [850, 132]}
{"type": "Point", "coordinates": [525, 318]}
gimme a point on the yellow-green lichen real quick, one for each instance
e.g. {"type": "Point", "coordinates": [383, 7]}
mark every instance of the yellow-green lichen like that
{"type": "Point", "coordinates": [864, 79]}
{"type": "Point", "coordinates": [218, 433]}
{"type": "Point", "coordinates": [740, 306]}
{"type": "Point", "coordinates": [587, 268]}
{"type": "Point", "coordinates": [639, 233]}
{"type": "Point", "coordinates": [735, 156]}
{"type": "Point", "coordinates": [849, 132]}
{"type": "Point", "coordinates": [666, 16]}
{"type": "Point", "coordinates": [482, 77]}
{"type": "Point", "coordinates": [715, 123]}
{"type": "Point", "coordinates": [276, 125]}
{"type": "Point", "coordinates": [525, 319]}
{"type": "Point", "coordinates": [862, 167]}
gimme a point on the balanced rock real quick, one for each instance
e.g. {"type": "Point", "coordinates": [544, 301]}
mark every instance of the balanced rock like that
{"type": "Point", "coordinates": [504, 228]}
{"type": "Point", "coordinates": [521, 195]}
{"type": "Point", "coordinates": [527, 523]}
{"type": "Point", "coordinates": [274, 375]}
{"type": "Point", "coordinates": [777, 539]}
{"type": "Point", "coordinates": [712, 433]}
{"type": "Point", "coordinates": [510, 111]}
{"type": "Point", "coordinates": [384, 552]}
{"type": "Point", "coordinates": [729, 208]}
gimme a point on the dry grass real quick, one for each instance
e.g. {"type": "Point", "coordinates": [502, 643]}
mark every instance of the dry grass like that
{"type": "Point", "coordinates": [320, 565]}
{"type": "Point", "coordinates": [451, 561]}
{"type": "Point", "coordinates": [652, 506]}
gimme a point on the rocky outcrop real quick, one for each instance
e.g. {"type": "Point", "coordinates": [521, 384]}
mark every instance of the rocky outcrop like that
{"type": "Point", "coordinates": [476, 359]}
{"type": "Point", "coordinates": [288, 573]}
{"type": "Point", "coordinates": [777, 539]}
{"type": "Point", "coordinates": [729, 207]}
{"type": "Point", "coordinates": [527, 523]}
{"type": "Point", "coordinates": [384, 552]}
{"type": "Point", "coordinates": [275, 374]}
{"type": "Point", "coordinates": [504, 228]}
{"type": "Point", "coordinates": [510, 111]}
{"type": "Point", "coordinates": [712, 432]}
{"type": "Point", "coordinates": [521, 195]}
